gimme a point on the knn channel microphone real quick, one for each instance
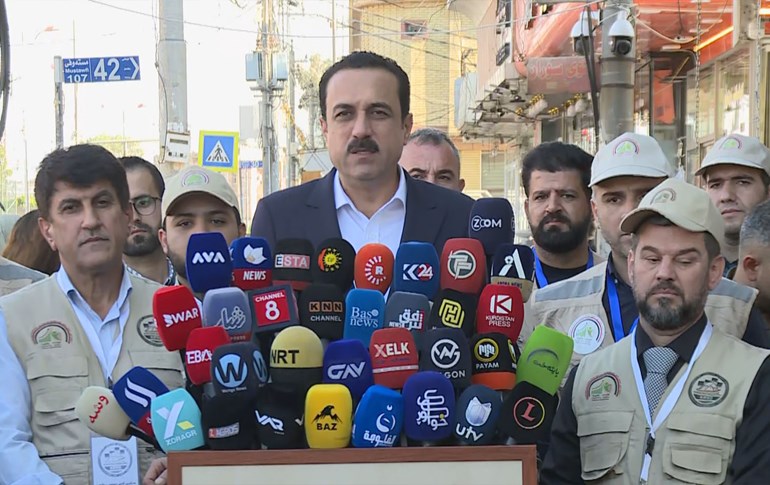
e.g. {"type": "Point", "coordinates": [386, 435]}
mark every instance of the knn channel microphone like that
{"type": "Point", "coordinates": [252, 263]}
{"type": "Point", "coordinates": [208, 263]}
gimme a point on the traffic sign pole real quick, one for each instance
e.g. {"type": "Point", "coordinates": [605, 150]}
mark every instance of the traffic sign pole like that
{"type": "Point", "coordinates": [58, 88]}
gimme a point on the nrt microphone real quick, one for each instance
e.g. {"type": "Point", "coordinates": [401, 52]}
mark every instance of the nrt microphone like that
{"type": "Point", "coordinates": [491, 222]}
{"type": "Point", "coordinates": [429, 407]}
{"type": "Point", "coordinates": [416, 269]}
{"type": "Point", "coordinates": [347, 362]}
{"type": "Point", "coordinates": [228, 422]}
{"type": "Point", "coordinates": [200, 349]}
{"type": "Point", "coordinates": [274, 308]}
{"type": "Point", "coordinates": [328, 416]}
{"type": "Point", "coordinates": [134, 392]}
{"type": "Point", "coordinates": [232, 370]}
{"type": "Point", "coordinates": [407, 310]}
{"type": "Point", "coordinates": [228, 308]}
{"type": "Point", "coordinates": [446, 351]}
{"type": "Point", "coordinates": [364, 313]}
{"type": "Point", "coordinates": [493, 361]}
{"type": "Point", "coordinates": [514, 264]}
{"type": "Point", "coordinates": [463, 266]}
{"type": "Point", "coordinates": [453, 309]}
{"type": "Point", "coordinates": [176, 315]}
{"type": "Point", "coordinates": [478, 409]}
{"type": "Point", "coordinates": [208, 262]}
{"type": "Point", "coordinates": [374, 267]}
{"type": "Point", "coordinates": [333, 263]}
{"type": "Point", "coordinates": [322, 310]}
{"type": "Point", "coordinates": [296, 360]}
{"type": "Point", "coordinates": [252, 263]}
{"type": "Point", "coordinates": [291, 263]}
{"type": "Point", "coordinates": [176, 420]}
{"type": "Point", "coordinates": [394, 356]}
{"type": "Point", "coordinates": [545, 359]}
{"type": "Point", "coordinates": [501, 309]}
{"type": "Point", "coordinates": [379, 418]}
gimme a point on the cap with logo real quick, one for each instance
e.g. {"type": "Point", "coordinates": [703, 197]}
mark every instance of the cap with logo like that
{"type": "Point", "coordinates": [198, 180]}
{"type": "Point", "coordinates": [631, 154]}
{"type": "Point", "coordinates": [745, 151]}
{"type": "Point", "coordinates": [683, 204]}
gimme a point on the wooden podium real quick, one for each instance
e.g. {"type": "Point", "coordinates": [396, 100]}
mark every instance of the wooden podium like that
{"type": "Point", "coordinates": [465, 465]}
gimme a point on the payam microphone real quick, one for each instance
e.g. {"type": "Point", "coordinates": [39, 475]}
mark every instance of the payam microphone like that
{"type": "Point", "coordinates": [252, 263]}
{"type": "Point", "coordinates": [291, 263]}
{"type": "Point", "coordinates": [322, 310]}
{"type": "Point", "coordinates": [416, 269]}
{"type": "Point", "coordinates": [280, 422]}
{"type": "Point", "coordinates": [98, 409]}
{"type": "Point", "coordinates": [134, 392]}
{"type": "Point", "coordinates": [429, 407]}
{"type": "Point", "coordinates": [478, 409]}
{"type": "Point", "coordinates": [228, 308]}
{"type": "Point", "coordinates": [491, 222]}
{"type": "Point", "coordinates": [328, 416]}
{"type": "Point", "coordinates": [374, 267]}
{"type": "Point", "coordinates": [379, 418]}
{"type": "Point", "coordinates": [453, 309]}
{"type": "Point", "coordinates": [232, 370]}
{"type": "Point", "coordinates": [407, 310]}
{"type": "Point", "coordinates": [500, 309]}
{"type": "Point", "coordinates": [228, 423]}
{"type": "Point", "coordinates": [514, 264]}
{"type": "Point", "coordinates": [176, 314]}
{"type": "Point", "coordinates": [333, 262]}
{"type": "Point", "coordinates": [176, 420]}
{"type": "Point", "coordinates": [446, 350]}
{"type": "Point", "coordinates": [364, 313]}
{"type": "Point", "coordinates": [273, 308]}
{"type": "Point", "coordinates": [463, 266]}
{"type": "Point", "coordinates": [347, 362]}
{"type": "Point", "coordinates": [394, 356]}
{"type": "Point", "coordinates": [296, 360]}
{"type": "Point", "coordinates": [201, 345]}
{"type": "Point", "coordinates": [208, 263]}
{"type": "Point", "coordinates": [493, 361]}
{"type": "Point", "coordinates": [545, 359]}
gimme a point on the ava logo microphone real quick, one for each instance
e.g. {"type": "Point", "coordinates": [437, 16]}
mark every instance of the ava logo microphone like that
{"type": "Point", "coordinates": [493, 361]}
{"type": "Point", "coordinates": [429, 407]}
{"type": "Point", "coordinates": [176, 420]}
{"type": "Point", "coordinates": [379, 418]}
{"type": "Point", "coordinates": [416, 269]}
{"type": "Point", "coordinates": [201, 345]}
{"type": "Point", "coordinates": [328, 416]}
{"type": "Point", "coordinates": [252, 263]}
{"type": "Point", "coordinates": [176, 314]}
{"type": "Point", "coordinates": [228, 308]}
{"type": "Point", "coordinates": [134, 392]}
{"type": "Point", "coordinates": [501, 309]}
{"type": "Point", "coordinates": [291, 263]}
{"type": "Point", "coordinates": [514, 264]}
{"type": "Point", "coordinates": [545, 359]}
{"type": "Point", "coordinates": [478, 409]}
{"type": "Point", "coordinates": [208, 262]}
{"type": "Point", "coordinates": [228, 422]}
{"type": "Point", "coordinates": [491, 222]}
{"type": "Point", "coordinates": [394, 356]}
{"type": "Point", "coordinates": [463, 266]}
{"type": "Point", "coordinates": [453, 309]}
{"type": "Point", "coordinates": [373, 268]}
{"type": "Point", "coordinates": [322, 310]}
{"type": "Point", "coordinates": [446, 351]}
{"type": "Point", "coordinates": [280, 421]}
{"type": "Point", "coordinates": [364, 313]}
{"type": "Point", "coordinates": [296, 360]}
{"type": "Point", "coordinates": [334, 263]}
{"type": "Point", "coordinates": [407, 310]}
{"type": "Point", "coordinates": [347, 362]}
{"type": "Point", "coordinates": [274, 308]}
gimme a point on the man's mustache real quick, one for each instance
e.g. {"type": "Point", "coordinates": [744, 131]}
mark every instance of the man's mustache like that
{"type": "Point", "coordinates": [363, 144]}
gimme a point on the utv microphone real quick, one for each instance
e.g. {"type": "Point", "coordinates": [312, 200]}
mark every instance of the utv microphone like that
{"type": "Point", "coordinates": [493, 361]}
{"type": "Point", "coordinates": [280, 422]}
{"type": "Point", "coordinates": [98, 409]}
{"type": "Point", "coordinates": [478, 409]}
{"type": "Point", "coordinates": [252, 263]}
{"type": "Point", "coordinates": [453, 309]}
{"type": "Point", "coordinates": [429, 407]}
{"type": "Point", "coordinates": [491, 222]}
{"type": "Point", "coordinates": [328, 416]}
{"type": "Point", "coordinates": [394, 356]}
{"type": "Point", "coordinates": [227, 421]}
{"type": "Point", "coordinates": [296, 360]}
{"type": "Point", "coordinates": [176, 314]}
{"type": "Point", "coordinates": [334, 263]}
{"type": "Point", "coordinates": [322, 310]}
{"type": "Point", "coordinates": [379, 418]}
{"type": "Point", "coordinates": [446, 351]}
{"type": "Point", "coordinates": [407, 310]}
{"type": "Point", "coordinates": [347, 362]}
{"type": "Point", "coordinates": [527, 414]}
{"type": "Point", "coordinates": [501, 309]}
{"type": "Point", "coordinates": [228, 308]}
{"type": "Point", "coordinates": [232, 370]}
{"type": "Point", "coordinates": [208, 262]}
{"type": "Point", "coordinates": [274, 308]}
{"type": "Point", "coordinates": [134, 392]}
{"type": "Point", "coordinates": [514, 264]}
{"type": "Point", "coordinates": [176, 421]}
{"type": "Point", "coordinates": [463, 266]}
{"type": "Point", "coordinates": [291, 263]}
{"type": "Point", "coordinates": [374, 267]}
{"type": "Point", "coordinates": [201, 345]}
{"type": "Point", "coordinates": [545, 359]}
{"type": "Point", "coordinates": [416, 269]}
{"type": "Point", "coordinates": [364, 313]}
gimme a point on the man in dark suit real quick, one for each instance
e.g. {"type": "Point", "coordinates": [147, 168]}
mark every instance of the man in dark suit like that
{"type": "Point", "coordinates": [367, 197]}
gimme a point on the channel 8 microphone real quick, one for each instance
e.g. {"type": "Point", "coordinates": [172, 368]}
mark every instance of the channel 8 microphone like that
{"type": "Point", "coordinates": [291, 263]}
{"type": "Point", "coordinates": [491, 222]}
{"type": "Point", "coordinates": [347, 362]}
{"type": "Point", "coordinates": [394, 356]}
{"type": "Point", "coordinates": [328, 416]}
{"type": "Point", "coordinates": [379, 418]}
{"type": "Point", "coordinates": [514, 264]}
{"type": "Point", "coordinates": [322, 310]}
{"type": "Point", "coordinates": [416, 269]}
{"type": "Point", "coordinates": [407, 310]}
{"type": "Point", "coordinates": [478, 409]}
{"type": "Point", "coordinates": [228, 308]}
{"type": "Point", "coordinates": [545, 359]}
{"type": "Point", "coordinates": [176, 421]}
{"type": "Point", "coordinates": [463, 266]}
{"type": "Point", "coordinates": [227, 421]}
{"type": "Point", "coordinates": [333, 262]}
{"type": "Point", "coordinates": [252, 263]}
{"type": "Point", "coordinates": [232, 370]}
{"type": "Point", "coordinates": [500, 309]}
{"type": "Point", "coordinates": [296, 360]}
{"type": "Point", "coordinates": [429, 407]}
{"type": "Point", "coordinates": [374, 267]}
{"type": "Point", "coordinates": [493, 361]}
{"type": "Point", "coordinates": [176, 314]}
{"type": "Point", "coordinates": [280, 420]}
{"type": "Point", "coordinates": [364, 313]}
{"type": "Point", "coordinates": [446, 350]}
{"type": "Point", "coordinates": [208, 263]}
{"type": "Point", "coordinates": [201, 345]}
{"type": "Point", "coordinates": [134, 392]}
{"type": "Point", "coordinates": [453, 309]}
{"type": "Point", "coordinates": [273, 308]}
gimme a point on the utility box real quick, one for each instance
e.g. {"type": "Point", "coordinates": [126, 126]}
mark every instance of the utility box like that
{"type": "Point", "coordinates": [177, 147]}
{"type": "Point", "coordinates": [254, 66]}
{"type": "Point", "coordinates": [280, 67]}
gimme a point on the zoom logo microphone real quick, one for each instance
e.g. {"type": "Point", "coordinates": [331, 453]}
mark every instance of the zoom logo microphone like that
{"type": "Point", "coordinates": [138, 394]}
{"type": "Point", "coordinates": [445, 353]}
{"type": "Point", "coordinates": [231, 371]}
{"type": "Point", "coordinates": [478, 223]}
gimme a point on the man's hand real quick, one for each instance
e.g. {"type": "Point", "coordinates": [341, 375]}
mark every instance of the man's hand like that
{"type": "Point", "coordinates": [157, 473]}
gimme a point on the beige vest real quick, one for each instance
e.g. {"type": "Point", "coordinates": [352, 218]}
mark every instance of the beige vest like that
{"type": "Point", "coordinates": [596, 257]}
{"type": "Point", "coordinates": [14, 276]}
{"type": "Point", "coordinates": [695, 444]}
{"type": "Point", "coordinates": [59, 362]}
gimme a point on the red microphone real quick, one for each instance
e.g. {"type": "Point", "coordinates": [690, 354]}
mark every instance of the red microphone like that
{"type": "Point", "coordinates": [501, 309]}
{"type": "Point", "coordinates": [394, 356]}
{"type": "Point", "coordinates": [200, 347]}
{"type": "Point", "coordinates": [176, 315]}
{"type": "Point", "coordinates": [463, 266]}
{"type": "Point", "coordinates": [374, 267]}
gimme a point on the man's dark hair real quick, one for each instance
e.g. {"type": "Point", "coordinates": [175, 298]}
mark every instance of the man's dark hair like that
{"type": "Point", "coordinates": [711, 243]}
{"type": "Point", "coordinates": [81, 166]}
{"type": "Point", "coordinates": [556, 156]}
{"type": "Point", "coordinates": [132, 163]}
{"type": "Point", "coordinates": [367, 60]}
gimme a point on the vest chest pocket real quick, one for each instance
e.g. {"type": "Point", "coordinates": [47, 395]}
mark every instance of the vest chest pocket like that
{"type": "Point", "coordinates": [166, 366]}
{"type": "Point", "coordinates": [603, 442]}
{"type": "Point", "coordinates": [55, 386]}
{"type": "Point", "coordinates": [697, 448]}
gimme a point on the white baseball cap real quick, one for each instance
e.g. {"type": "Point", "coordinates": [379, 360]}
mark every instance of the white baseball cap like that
{"type": "Point", "coordinates": [631, 154]}
{"type": "Point", "coordinates": [194, 179]}
{"type": "Point", "coordinates": [745, 151]}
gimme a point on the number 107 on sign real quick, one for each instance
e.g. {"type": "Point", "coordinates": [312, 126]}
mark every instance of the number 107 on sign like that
{"type": "Point", "coordinates": [100, 69]}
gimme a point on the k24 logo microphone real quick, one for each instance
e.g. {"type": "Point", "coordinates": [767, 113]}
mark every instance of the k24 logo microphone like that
{"type": "Point", "coordinates": [417, 272]}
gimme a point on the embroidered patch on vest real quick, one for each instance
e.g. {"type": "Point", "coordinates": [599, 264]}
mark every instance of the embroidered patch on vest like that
{"type": "Point", "coordinates": [708, 390]}
{"type": "Point", "coordinates": [51, 335]}
{"type": "Point", "coordinates": [115, 460]}
{"type": "Point", "coordinates": [602, 387]}
{"type": "Point", "coordinates": [529, 412]}
{"type": "Point", "coordinates": [148, 330]}
{"type": "Point", "coordinates": [587, 331]}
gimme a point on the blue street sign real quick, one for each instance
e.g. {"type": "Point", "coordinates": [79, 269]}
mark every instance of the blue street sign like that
{"type": "Point", "coordinates": [218, 150]}
{"type": "Point", "coordinates": [246, 164]}
{"type": "Point", "coordinates": [100, 69]}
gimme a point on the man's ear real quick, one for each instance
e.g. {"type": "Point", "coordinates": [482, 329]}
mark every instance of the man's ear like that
{"type": "Point", "coordinates": [750, 266]}
{"type": "Point", "coordinates": [163, 237]}
{"type": "Point", "coordinates": [242, 230]}
{"type": "Point", "coordinates": [630, 266]}
{"type": "Point", "coordinates": [716, 270]}
{"type": "Point", "coordinates": [46, 229]}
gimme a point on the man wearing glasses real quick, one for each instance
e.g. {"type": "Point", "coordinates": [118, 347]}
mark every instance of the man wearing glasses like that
{"type": "Point", "coordinates": [143, 253]}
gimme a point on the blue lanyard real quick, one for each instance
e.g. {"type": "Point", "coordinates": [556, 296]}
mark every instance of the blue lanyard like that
{"type": "Point", "coordinates": [616, 316]}
{"type": "Point", "coordinates": [542, 281]}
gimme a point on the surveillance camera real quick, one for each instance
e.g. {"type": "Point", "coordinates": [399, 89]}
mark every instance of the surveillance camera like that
{"type": "Point", "coordinates": [579, 34]}
{"type": "Point", "coordinates": [622, 37]}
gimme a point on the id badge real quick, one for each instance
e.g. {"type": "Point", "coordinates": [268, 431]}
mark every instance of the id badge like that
{"type": "Point", "coordinates": [114, 462]}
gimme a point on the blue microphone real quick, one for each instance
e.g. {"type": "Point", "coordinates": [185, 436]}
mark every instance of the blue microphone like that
{"type": "Point", "coordinates": [416, 269]}
{"type": "Point", "coordinates": [379, 418]}
{"type": "Point", "coordinates": [252, 263]}
{"type": "Point", "coordinates": [478, 409]}
{"type": "Point", "coordinates": [347, 362]}
{"type": "Point", "coordinates": [208, 263]}
{"type": "Point", "coordinates": [429, 407]}
{"type": "Point", "coordinates": [491, 222]}
{"type": "Point", "coordinates": [364, 313]}
{"type": "Point", "coordinates": [176, 421]}
{"type": "Point", "coordinates": [134, 393]}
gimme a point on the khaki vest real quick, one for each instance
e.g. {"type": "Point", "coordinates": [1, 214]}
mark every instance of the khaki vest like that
{"type": "Point", "coordinates": [597, 260]}
{"type": "Point", "coordinates": [14, 276]}
{"type": "Point", "coordinates": [60, 363]}
{"type": "Point", "coordinates": [695, 444]}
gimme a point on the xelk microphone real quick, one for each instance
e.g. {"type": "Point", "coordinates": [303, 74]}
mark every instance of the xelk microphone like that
{"type": "Point", "coordinates": [333, 263]}
{"type": "Point", "coordinates": [364, 313]}
{"type": "Point", "coordinates": [493, 360]}
{"type": "Point", "coordinates": [545, 359]}
{"type": "Point", "coordinates": [446, 351]}
{"type": "Point", "coordinates": [280, 422]}
{"type": "Point", "coordinates": [347, 362]}
{"type": "Point", "coordinates": [228, 308]}
{"type": "Point", "coordinates": [394, 356]}
{"type": "Point", "coordinates": [491, 222]}
{"type": "Point", "coordinates": [527, 414]}
{"type": "Point", "coordinates": [429, 407]}
{"type": "Point", "coordinates": [200, 348]}
{"type": "Point", "coordinates": [501, 309]}
{"type": "Point", "coordinates": [274, 308]}
{"type": "Point", "coordinates": [176, 315]}
{"type": "Point", "coordinates": [514, 264]}
{"type": "Point", "coordinates": [252, 263]}
{"type": "Point", "coordinates": [463, 266]}
{"type": "Point", "coordinates": [291, 263]}
{"type": "Point", "coordinates": [453, 309]}
{"type": "Point", "coordinates": [228, 423]}
{"type": "Point", "coordinates": [379, 418]}
{"type": "Point", "coordinates": [176, 420]}
{"type": "Point", "coordinates": [98, 409]}
{"type": "Point", "coordinates": [407, 310]}
{"type": "Point", "coordinates": [374, 267]}
{"type": "Point", "coordinates": [322, 310]}
{"type": "Point", "coordinates": [232, 370]}
{"type": "Point", "coordinates": [416, 269]}
{"type": "Point", "coordinates": [328, 416]}
{"type": "Point", "coordinates": [478, 409]}
{"type": "Point", "coordinates": [208, 262]}
{"type": "Point", "coordinates": [134, 392]}
{"type": "Point", "coordinates": [296, 360]}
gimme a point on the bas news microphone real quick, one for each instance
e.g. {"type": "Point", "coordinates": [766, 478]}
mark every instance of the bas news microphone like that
{"type": "Point", "coordinates": [228, 422]}
{"type": "Point", "coordinates": [463, 266]}
{"type": "Point", "coordinates": [453, 309]}
{"type": "Point", "coordinates": [374, 267]}
{"type": "Point", "coordinates": [208, 262]}
{"type": "Point", "coordinates": [280, 422]}
{"type": "Point", "coordinates": [501, 309]}
{"type": "Point", "coordinates": [446, 351]}
{"type": "Point", "coordinates": [478, 409]}
{"type": "Point", "coordinates": [347, 362]}
{"type": "Point", "coordinates": [379, 418]}
{"type": "Point", "coordinates": [429, 407]}
{"type": "Point", "coordinates": [98, 409]}
{"type": "Point", "coordinates": [322, 310]}
{"type": "Point", "coordinates": [228, 308]}
{"type": "Point", "coordinates": [545, 359]}
{"type": "Point", "coordinates": [201, 345]}
{"type": "Point", "coordinates": [296, 360]}
{"type": "Point", "coordinates": [514, 264]}
{"type": "Point", "coordinates": [274, 308]}
{"type": "Point", "coordinates": [394, 356]}
{"type": "Point", "coordinates": [328, 416]}
{"type": "Point", "coordinates": [176, 314]}
{"type": "Point", "coordinates": [232, 370]}
{"type": "Point", "coordinates": [416, 269]}
{"type": "Point", "coordinates": [364, 313]}
{"type": "Point", "coordinates": [176, 421]}
{"type": "Point", "coordinates": [252, 263]}
{"type": "Point", "coordinates": [493, 361]}
{"type": "Point", "coordinates": [491, 222]}
{"type": "Point", "coordinates": [333, 262]}
{"type": "Point", "coordinates": [134, 392]}
{"type": "Point", "coordinates": [291, 263]}
{"type": "Point", "coordinates": [407, 310]}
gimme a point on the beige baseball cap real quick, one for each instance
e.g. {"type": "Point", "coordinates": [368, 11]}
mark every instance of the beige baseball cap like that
{"type": "Point", "coordinates": [683, 204]}
{"type": "Point", "coordinates": [194, 179]}
{"type": "Point", "coordinates": [736, 149]}
{"type": "Point", "coordinates": [630, 154]}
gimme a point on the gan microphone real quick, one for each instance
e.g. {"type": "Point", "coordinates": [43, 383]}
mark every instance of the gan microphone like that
{"type": "Point", "coordinates": [333, 262]}
{"type": "Point", "coordinates": [328, 416]}
{"type": "Point", "coordinates": [176, 314]}
{"type": "Point", "coordinates": [176, 420]}
{"type": "Point", "coordinates": [394, 356]}
{"type": "Point", "coordinates": [478, 409]}
{"type": "Point", "coordinates": [296, 360]}
{"type": "Point", "coordinates": [291, 263]}
{"type": "Point", "coordinates": [201, 345]}
{"type": "Point", "coordinates": [374, 267]}
{"type": "Point", "coordinates": [364, 313]}
{"type": "Point", "coordinates": [491, 222]}
{"type": "Point", "coordinates": [228, 308]}
{"type": "Point", "coordinates": [252, 263]}
{"type": "Point", "coordinates": [379, 418]}
{"type": "Point", "coordinates": [208, 262]}
{"type": "Point", "coordinates": [322, 310]}
{"type": "Point", "coordinates": [347, 362]}
{"type": "Point", "coordinates": [274, 308]}
{"type": "Point", "coordinates": [429, 407]}
{"type": "Point", "coordinates": [514, 264]}
{"type": "Point", "coordinates": [416, 269]}
{"type": "Point", "coordinates": [134, 392]}
{"type": "Point", "coordinates": [446, 350]}
{"type": "Point", "coordinates": [463, 266]}
{"type": "Point", "coordinates": [545, 359]}
{"type": "Point", "coordinates": [501, 309]}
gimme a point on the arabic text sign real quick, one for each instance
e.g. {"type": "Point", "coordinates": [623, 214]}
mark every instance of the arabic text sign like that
{"type": "Point", "coordinates": [101, 69]}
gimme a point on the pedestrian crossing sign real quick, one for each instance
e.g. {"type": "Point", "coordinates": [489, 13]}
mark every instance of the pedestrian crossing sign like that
{"type": "Point", "coordinates": [218, 150]}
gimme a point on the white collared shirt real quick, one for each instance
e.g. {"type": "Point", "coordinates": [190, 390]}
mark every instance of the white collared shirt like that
{"type": "Point", "coordinates": [385, 226]}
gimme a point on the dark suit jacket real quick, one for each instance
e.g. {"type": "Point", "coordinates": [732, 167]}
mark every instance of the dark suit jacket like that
{"type": "Point", "coordinates": [433, 214]}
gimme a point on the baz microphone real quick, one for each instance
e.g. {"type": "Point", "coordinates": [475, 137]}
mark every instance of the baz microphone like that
{"type": "Point", "coordinates": [445, 350]}
{"type": "Point", "coordinates": [232, 371]}
{"type": "Point", "coordinates": [501, 309]}
{"type": "Point", "coordinates": [374, 267]}
{"type": "Point", "coordinates": [491, 222]}
{"type": "Point", "coordinates": [252, 263]}
{"type": "Point", "coordinates": [514, 264]}
{"type": "Point", "coordinates": [176, 421]}
{"type": "Point", "coordinates": [394, 356]}
{"type": "Point", "coordinates": [545, 359]}
{"type": "Point", "coordinates": [201, 345]}
{"type": "Point", "coordinates": [379, 418]}
{"type": "Point", "coordinates": [322, 310]}
{"type": "Point", "coordinates": [347, 362]}
{"type": "Point", "coordinates": [228, 308]}
{"type": "Point", "coordinates": [296, 360]}
{"type": "Point", "coordinates": [98, 409]}
{"type": "Point", "coordinates": [328, 416]}
{"type": "Point", "coordinates": [416, 269]}
{"type": "Point", "coordinates": [228, 422]}
{"type": "Point", "coordinates": [333, 262]}
{"type": "Point", "coordinates": [364, 313]}
{"type": "Point", "coordinates": [176, 314]}
{"type": "Point", "coordinates": [453, 309]}
{"type": "Point", "coordinates": [291, 263]}
{"type": "Point", "coordinates": [273, 308]}
{"type": "Point", "coordinates": [493, 361]}
{"type": "Point", "coordinates": [478, 409]}
{"type": "Point", "coordinates": [208, 263]}
{"type": "Point", "coordinates": [429, 407]}
{"type": "Point", "coordinates": [134, 392]}
{"type": "Point", "coordinates": [463, 266]}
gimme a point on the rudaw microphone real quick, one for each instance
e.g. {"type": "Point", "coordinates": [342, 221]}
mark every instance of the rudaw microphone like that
{"type": "Point", "coordinates": [228, 308]}
{"type": "Point", "coordinates": [379, 418]}
{"type": "Point", "coordinates": [453, 309]}
{"type": "Point", "coordinates": [394, 356]}
{"type": "Point", "coordinates": [208, 263]}
{"type": "Point", "coordinates": [252, 263]}
{"type": "Point", "coordinates": [463, 266]}
{"type": "Point", "coordinates": [176, 314]}
{"type": "Point", "coordinates": [347, 362]}
{"type": "Point", "coordinates": [296, 360]}
{"type": "Point", "coordinates": [232, 370]}
{"type": "Point", "coordinates": [134, 392]}
{"type": "Point", "coordinates": [98, 409]}
{"type": "Point", "coordinates": [514, 264]}
{"type": "Point", "coordinates": [501, 309]}
{"type": "Point", "coordinates": [228, 422]}
{"type": "Point", "coordinates": [374, 267]}
{"type": "Point", "coordinates": [364, 313]}
{"type": "Point", "coordinates": [446, 350]}
{"type": "Point", "coordinates": [201, 345]}
{"type": "Point", "coordinates": [416, 269]}
{"type": "Point", "coordinates": [478, 409]}
{"type": "Point", "coordinates": [322, 310]}
{"type": "Point", "coordinates": [333, 262]}
{"type": "Point", "coordinates": [291, 263]}
{"type": "Point", "coordinates": [273, 308]}
{"type": "Point", "coordinates": [493, 361]}
{"type": "Point", "coordinates": [407, 310]}
{"type": "Point", "coordinates": [328, 416]}
{"type": "Point", "coordinates": [176, 420]}
{"type": "Point", "coordinates": [545, 359]}
{"type": "Point", "coordinates": [429, 407]}
{"type": "Point", "coordinates": [491, 222]}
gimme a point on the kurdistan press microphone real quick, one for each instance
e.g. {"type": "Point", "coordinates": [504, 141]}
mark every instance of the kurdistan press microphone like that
{"type": "Point", "coordinates": [134, 392]}
{"type": "Point", "coordinates": [328, 416]}
{"type": "Point", "coordinates": [252, 263]}
{"type": "Point", "coordinates": [228, 308]}
{"type": "Point", "coordinates": [347, 362]}
{"type": "Point", "coordinates": [176, 421]}
{"type": "Point", "coordinates": [291, 263]}
{"type": "Point", "coordinates": [373, 268]}
{"type": "Point", "coordinates": [98, 409]}
{"type": "Point", "coordinates": [514, 264]}
{"type": "Point", "coordinates": [429, 407]}
{"type": "Point", "coordinates": [364, 313]}
{"type": "Point", "coordinates": [478, 409]}
{"type": "Point", "coordinates": [416, 269]}
{"type": "Point", "coordinates": [333, 262]}
{"type": "Point", "coordinates": [379, 418]}
{"type": "Point", "coordinates": [491, 222]}
{"type": "Point", "coordinates": [208, 263]}
{"type": "Point", "coordinates": [500, 309]}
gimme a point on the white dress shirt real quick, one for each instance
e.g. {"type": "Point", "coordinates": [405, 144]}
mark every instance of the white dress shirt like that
{"type": "Point", "coordinates": [20, 463]}
{"type": "Point", "coordinates": [385, 226]}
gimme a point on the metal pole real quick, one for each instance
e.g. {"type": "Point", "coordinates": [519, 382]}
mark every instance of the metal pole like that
{"type": "Point", "coordinates": [617, 83]}
{"type": "Point", "coordinates": [266, 102]}
{"type": "Point", "coordinates": [58, 101]}
{"type": "Point", "coordinates": [172, 75]}
{"type": "Point", "coordinates": [334, 32]}
{"type": "Point", "coordinates": [26, 163]}
{"type": "Point", "coordinates": [75, 88]}
{"type": "Point", "coordinates": [291, 134]}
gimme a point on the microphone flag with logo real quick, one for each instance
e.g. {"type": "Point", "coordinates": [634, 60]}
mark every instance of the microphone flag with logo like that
{"type": "Point", "coordinates": [493, 359]}
{"type": "Point", "coordinates": [364, 313]}
{"type": "Point", "coordinates": [273, 308]}
{"type": "Point", "coordinates": [394, 356]}
{"type": "Point", "coordinates": [453, 309]}
{"type": "Point", "coordinates": [322, 310]}
{"type": "Point", "coordinates": [208, 263]}
{"type": "Point", "coordinates": [227, 421]}
{"type": "Point", "coordinates": [176, 314]}
{"type": "Point", "coordinates": [416, 269]}
{"type": "Point", "coordinates": [407, 310]}
{"type": "Point", "coordinates": [491, 222]}
{"type": "Point", "coordinates": [176, 420]}
{"type": "Point", "coordinates": [333, 263]}
{"type": "Point", "coordinates": [527, 414]}
{"type": "Point", "coordinates": [347, 362]}
{"type": "Point", "coordinates": [514, 264]}
{"type": "Point", "coordinates": [291, 263]}
{"type": "Point", "coordinates": [280, 422]}
{"type": "Point", "coordinates": [134, 392]}
{"type": "Point", "coordinates": [446, 350]}
{"type": "Point", "coordinates": [261, 369]}
{"type": "Point", "coordinates": [478, 409]}
{"type": "Point", "coordinates": [374, 267]}
{"type": "Point", "coordinates": [463, 266]}
{"type": "Point", "coordinates": [500, 309]}
{"type": "Point", "coordinates": [379, 418]}
{"type": "Point", "coordinates": [328, 416]}
{"type": "Point", "coordinates": [98, 409]}
{"type": "Point", "coordinates": [232, 370]}
{"type": "Point", "coordinates": [252, 263]}
{"type": "Point", "coordinates": [296, 360]}
{"type": "Point", "coordinates": [228, 308]}
{"type": "Point", "coordinates": [429, 407]}
{"type": "Point", "coordinates": [200, 349]}
{"type": "Point", "coordinates": [545, 359]}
